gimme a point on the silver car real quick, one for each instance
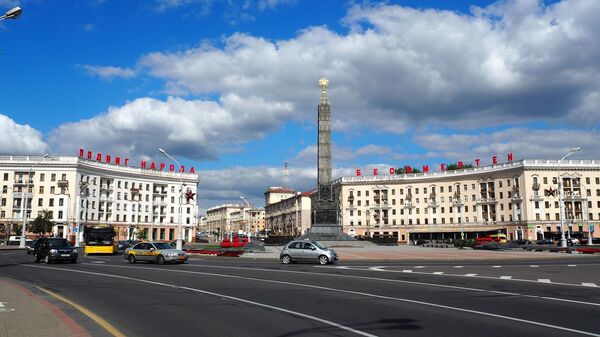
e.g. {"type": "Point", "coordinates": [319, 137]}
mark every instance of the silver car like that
{"type": "Point", "coordinates": [158, 252]}
{"type": "Point", "coordinates": [307, 251]}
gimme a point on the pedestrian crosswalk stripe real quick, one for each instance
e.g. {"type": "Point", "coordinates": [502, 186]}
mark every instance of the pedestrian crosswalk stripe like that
{"type": "Point", "coordinates": [544, 280]}
{"type": "Point", "coordinates": [470, 274]}
{"type": "Point", "coordinates": [438, 272]}
{"type": "Point", "coordinates": [407, 271]}
{"type": "Point", "coordinates": [589, 284]}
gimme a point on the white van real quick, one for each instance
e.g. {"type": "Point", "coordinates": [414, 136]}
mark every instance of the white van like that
{"type": "Point", "coordinates": [14, 240]}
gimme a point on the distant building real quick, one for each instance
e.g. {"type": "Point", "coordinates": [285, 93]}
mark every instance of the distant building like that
{"type": "Point", "coordinates": [77, 189]}
{"type": "Point", "coordinates": [234, 219]}
{"type": "Point", "coordinates": [288, 212]}
{"type": "Point", "coordinates": [519, 198]}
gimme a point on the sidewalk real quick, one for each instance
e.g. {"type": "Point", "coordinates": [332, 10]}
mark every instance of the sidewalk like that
{"type": "Point", "coordinates": [23, 312]}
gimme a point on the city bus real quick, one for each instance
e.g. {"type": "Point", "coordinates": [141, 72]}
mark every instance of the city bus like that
{"type": "Point", "coordinates": [99, 239]}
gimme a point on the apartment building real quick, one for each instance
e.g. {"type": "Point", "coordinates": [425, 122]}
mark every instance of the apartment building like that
{"type": "Point", "coordinates": [519, 198]}
{"type": "Point", "coordinates": [85, 191]}
{"type": "Point", "coordinates": [287, 212]}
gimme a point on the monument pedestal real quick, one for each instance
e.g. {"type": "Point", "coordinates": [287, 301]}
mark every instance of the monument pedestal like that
{"type": "Point", "coordinates": [327, 232]}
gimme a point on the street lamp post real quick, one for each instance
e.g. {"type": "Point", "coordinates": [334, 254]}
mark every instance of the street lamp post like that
{"type": "Point", "coordinates": [12, 13]}
{"type": "Point", "coordinates": [563, 240]}
{"type": "Point", "coordinates": [246, 225]}
{"type": "Point", "coordinates": [179, 236]}
{"type": "Point", "coordinates": [24, 202]}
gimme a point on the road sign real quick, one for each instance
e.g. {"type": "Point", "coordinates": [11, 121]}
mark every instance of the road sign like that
{"type": "Point", "coordinates": [75, 229]}
{"type": "Point", "coordinates": [591, 228]}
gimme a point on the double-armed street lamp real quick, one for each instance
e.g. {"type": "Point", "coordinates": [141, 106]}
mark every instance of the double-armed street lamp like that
{"type": "Point", "coordinates": [563, 240]}
{"type": "Point", "coordinates": [24, 200]}
{"type": "Point", "coordinates": [12, 13]}
{"type": "Point", "coordinates": [180, 235]}
{"type": "Point", "coordinates": [244, 220]}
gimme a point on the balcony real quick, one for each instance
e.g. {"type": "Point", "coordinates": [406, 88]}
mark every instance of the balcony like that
{"type": "Point", "coordinates": [159, 203]}
{"type": "Point", "coordinates": [160, 192]}
{"type": "Point", "coordinates": [23, 181]}
{"type": "Point", "coordinates": [62, 183]}
{"type": "Point", "coordinates": [106, 198]}
{"type": "Point", "coordinates": [536, 186]}
{"type": "Point", "coordinates": [20, 195]}
{"type": "Point", "coordinates": [106, 187]}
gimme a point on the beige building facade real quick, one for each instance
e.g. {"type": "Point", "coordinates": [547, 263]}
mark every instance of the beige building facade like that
{"type": "Point", "coordinates": [288, 214]}
{"type": "Point", "coordinates": [79, 190]}
{"type": "Point", "coordinates": [234, 219]}
{"type": "Point", "coordinates": [518, 198]}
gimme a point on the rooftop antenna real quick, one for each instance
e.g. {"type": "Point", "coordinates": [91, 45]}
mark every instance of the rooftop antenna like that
{"type": "Point", "coordinates": [286, 177]}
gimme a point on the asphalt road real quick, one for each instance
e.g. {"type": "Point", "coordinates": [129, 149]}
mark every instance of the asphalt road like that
{"type": "Point", "coordinates": [238, 297]}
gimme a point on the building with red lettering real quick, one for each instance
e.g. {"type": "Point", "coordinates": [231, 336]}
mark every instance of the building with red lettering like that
{"type": "Point", "coordinates": [76, 189]}
{"type": "Point", "coordinates": [518, 198]}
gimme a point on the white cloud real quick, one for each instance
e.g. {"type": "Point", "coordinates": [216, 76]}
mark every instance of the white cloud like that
{"type": "Point", "coordinates": [522, 142]}
{"type": "Point", "coordinates": [108, 72]}
{"type": "Point", "coordinates": [400, 67]}
{"type": "Point", "coordinates": [20, 139]}
{"type": "Point", "coordinates": [88, 27]}
{"type": "Point", "coordinates": [195, 129]}
{"type": "Point", "coordinates": [373, 149]}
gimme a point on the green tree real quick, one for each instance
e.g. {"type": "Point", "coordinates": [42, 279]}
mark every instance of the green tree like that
{"type": "Point", "coordinates": [42, 224]}
{"type": "Point", "coordinates": [454, 166]}
{"type": "Point", "coordinates": [403, 170]}
{"type": "Point", "coordinates": [141, 235]}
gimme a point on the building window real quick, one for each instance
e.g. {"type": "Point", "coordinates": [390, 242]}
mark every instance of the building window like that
{"type": "Point", "coordinates": [40, 202]}
{"type": "Point", "coordinates": [60, 201]}
{"type": "Point", "coordinates": [3, 201]}
{"type": "Point", "coordinates": [5, 176]}
{"type": "Point", "coordinates": [53, 177]}
{"type": "Point", "coordinates": [547, 216]}
{"type": "Point", "coordinates": [393, 191]}
{"type": "Point", "coordinates": [60, 214]}
{"type": "Point", "coordinates": [500, 183]}
{"type": "Point", "coordinates": [42, 176]}
{"type": "Point", "coordinates": [366, 193]}
{"type": "Point", "coordinates": [587, 180]}
{"type": "Point", "coordinates": [537, 205]}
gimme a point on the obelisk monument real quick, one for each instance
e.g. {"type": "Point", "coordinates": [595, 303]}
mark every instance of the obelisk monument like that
{"type": "Point", "coordinates": [325, 225]}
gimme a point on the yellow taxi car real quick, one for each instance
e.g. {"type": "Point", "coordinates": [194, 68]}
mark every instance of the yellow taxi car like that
{"type": "Point", "coordinates": [158, 252]}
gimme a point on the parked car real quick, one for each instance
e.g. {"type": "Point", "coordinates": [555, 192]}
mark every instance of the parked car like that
{"type": "Point", "coordinates": [307, 251]}
{"type": "Point", "coordinates": [594, 241]}
{"type": "Point", "coordinates": [545, 242]}
{"type": "Point", "coordinates": [30, 246]}
{"type": "Point", "coordinates": [53, 250]}
{"type": "Point", "coordinates": [421, 242]}
{"type": "Point", "coordinates": [522, 242]}
{"type": "Point", "coordinates": [124, 244]}
{"type": "Point", "coordinates": [158, 252]}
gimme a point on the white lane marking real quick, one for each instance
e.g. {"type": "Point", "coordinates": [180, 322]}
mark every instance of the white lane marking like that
{"type": "Point", "coordinates": [407, 271]}
{"type": "Point", "coordinates": [342, 267]}
{"type": "Point", "coordinates": [470, 275]}
{"type": "Point", "coordinates": [313, 287]}
{"type": "Point", "coordinates": [544, 280]}
{"type": "Point", "coordinates": [378, 268]}
{"type": "Point", "coordinates": [534, 266]}
{"type": "Point", "coordinates": [589, 284]}
{"type": "Point", "coordinates": [99, 262]}
{"type": "Point", "coordinates": [419, 267]}
{"type": "Point", "coordinates": [3, 308]}
{"type": "Point", "coordinates": [438, 272]}
{"type": "Point", "coordinates": [458, 266]}
{"type": "Point", "coordinates": [258, 304]}
{"type": "Point", "coordinates": [496, 266]}
{"type": "Point", "coordinates": [571, 265]}
{"type": "Point", "coordinates": [506, 277]}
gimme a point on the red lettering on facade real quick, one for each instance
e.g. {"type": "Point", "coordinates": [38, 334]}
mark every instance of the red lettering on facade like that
{"type": "Point", "coordinates": [99, 157]}
{"type": "Point", "coordinates": [107, 158]}
{"type": "Point", "coordinates": [152, 166]}
{"type": "Point", "coordinates": [460, 164]}
{"type": "Point", "coordinates": [408, 169]}
{"type": "Point", "coordinates": [425, 168]}
{"type": "Point", "coordinates": [182, 169]}
{"type": "Point", "coordinates": [80, 152]}
{"type": "Point", "coordinates": [443, 167]}
{"type": "Point", "coordinates": [477, 161]}
{"type": "Point", "coordinates": [171, 167]}
{"type": "Point", "coordinates": [192, 170]}
{"type": "Point", "coordinates": [126, 161]}
{"type": "Point", "coordinates": [162, 166]}
{"type": "Point", "coordinates": [510, 157]}
{"type": "Point", "coordinates": [358, 172]}
{"type": "Point", "coordinates": [89, 155]}
{"type": "Point", "coordinates": [392, 171]}
{"type": "Point", "coordinates": [142, 163]}
{"type": "Point", "coordinates": [494, 160]}
{"type": "Point", "coordinates": [118, 161]}
{"type": "Point", "coordinates": [375, 171]}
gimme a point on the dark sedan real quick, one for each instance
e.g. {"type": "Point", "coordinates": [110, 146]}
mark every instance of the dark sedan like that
{"type": "Point", "coordinates": [53, 250]}
{"type": "Point", "coordinates": [30, 246]}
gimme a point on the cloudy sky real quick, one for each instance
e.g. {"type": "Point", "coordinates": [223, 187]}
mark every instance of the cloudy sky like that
{"type": "Point", "coordinates": [230, 87]}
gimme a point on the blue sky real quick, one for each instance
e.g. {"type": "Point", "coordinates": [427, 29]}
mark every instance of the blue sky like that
{"type": "Point", "coordinates": [230, 87]}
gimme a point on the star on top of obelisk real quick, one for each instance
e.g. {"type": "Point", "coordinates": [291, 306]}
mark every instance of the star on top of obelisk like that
{"type": "Point", "coordinates": [323, 82]}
